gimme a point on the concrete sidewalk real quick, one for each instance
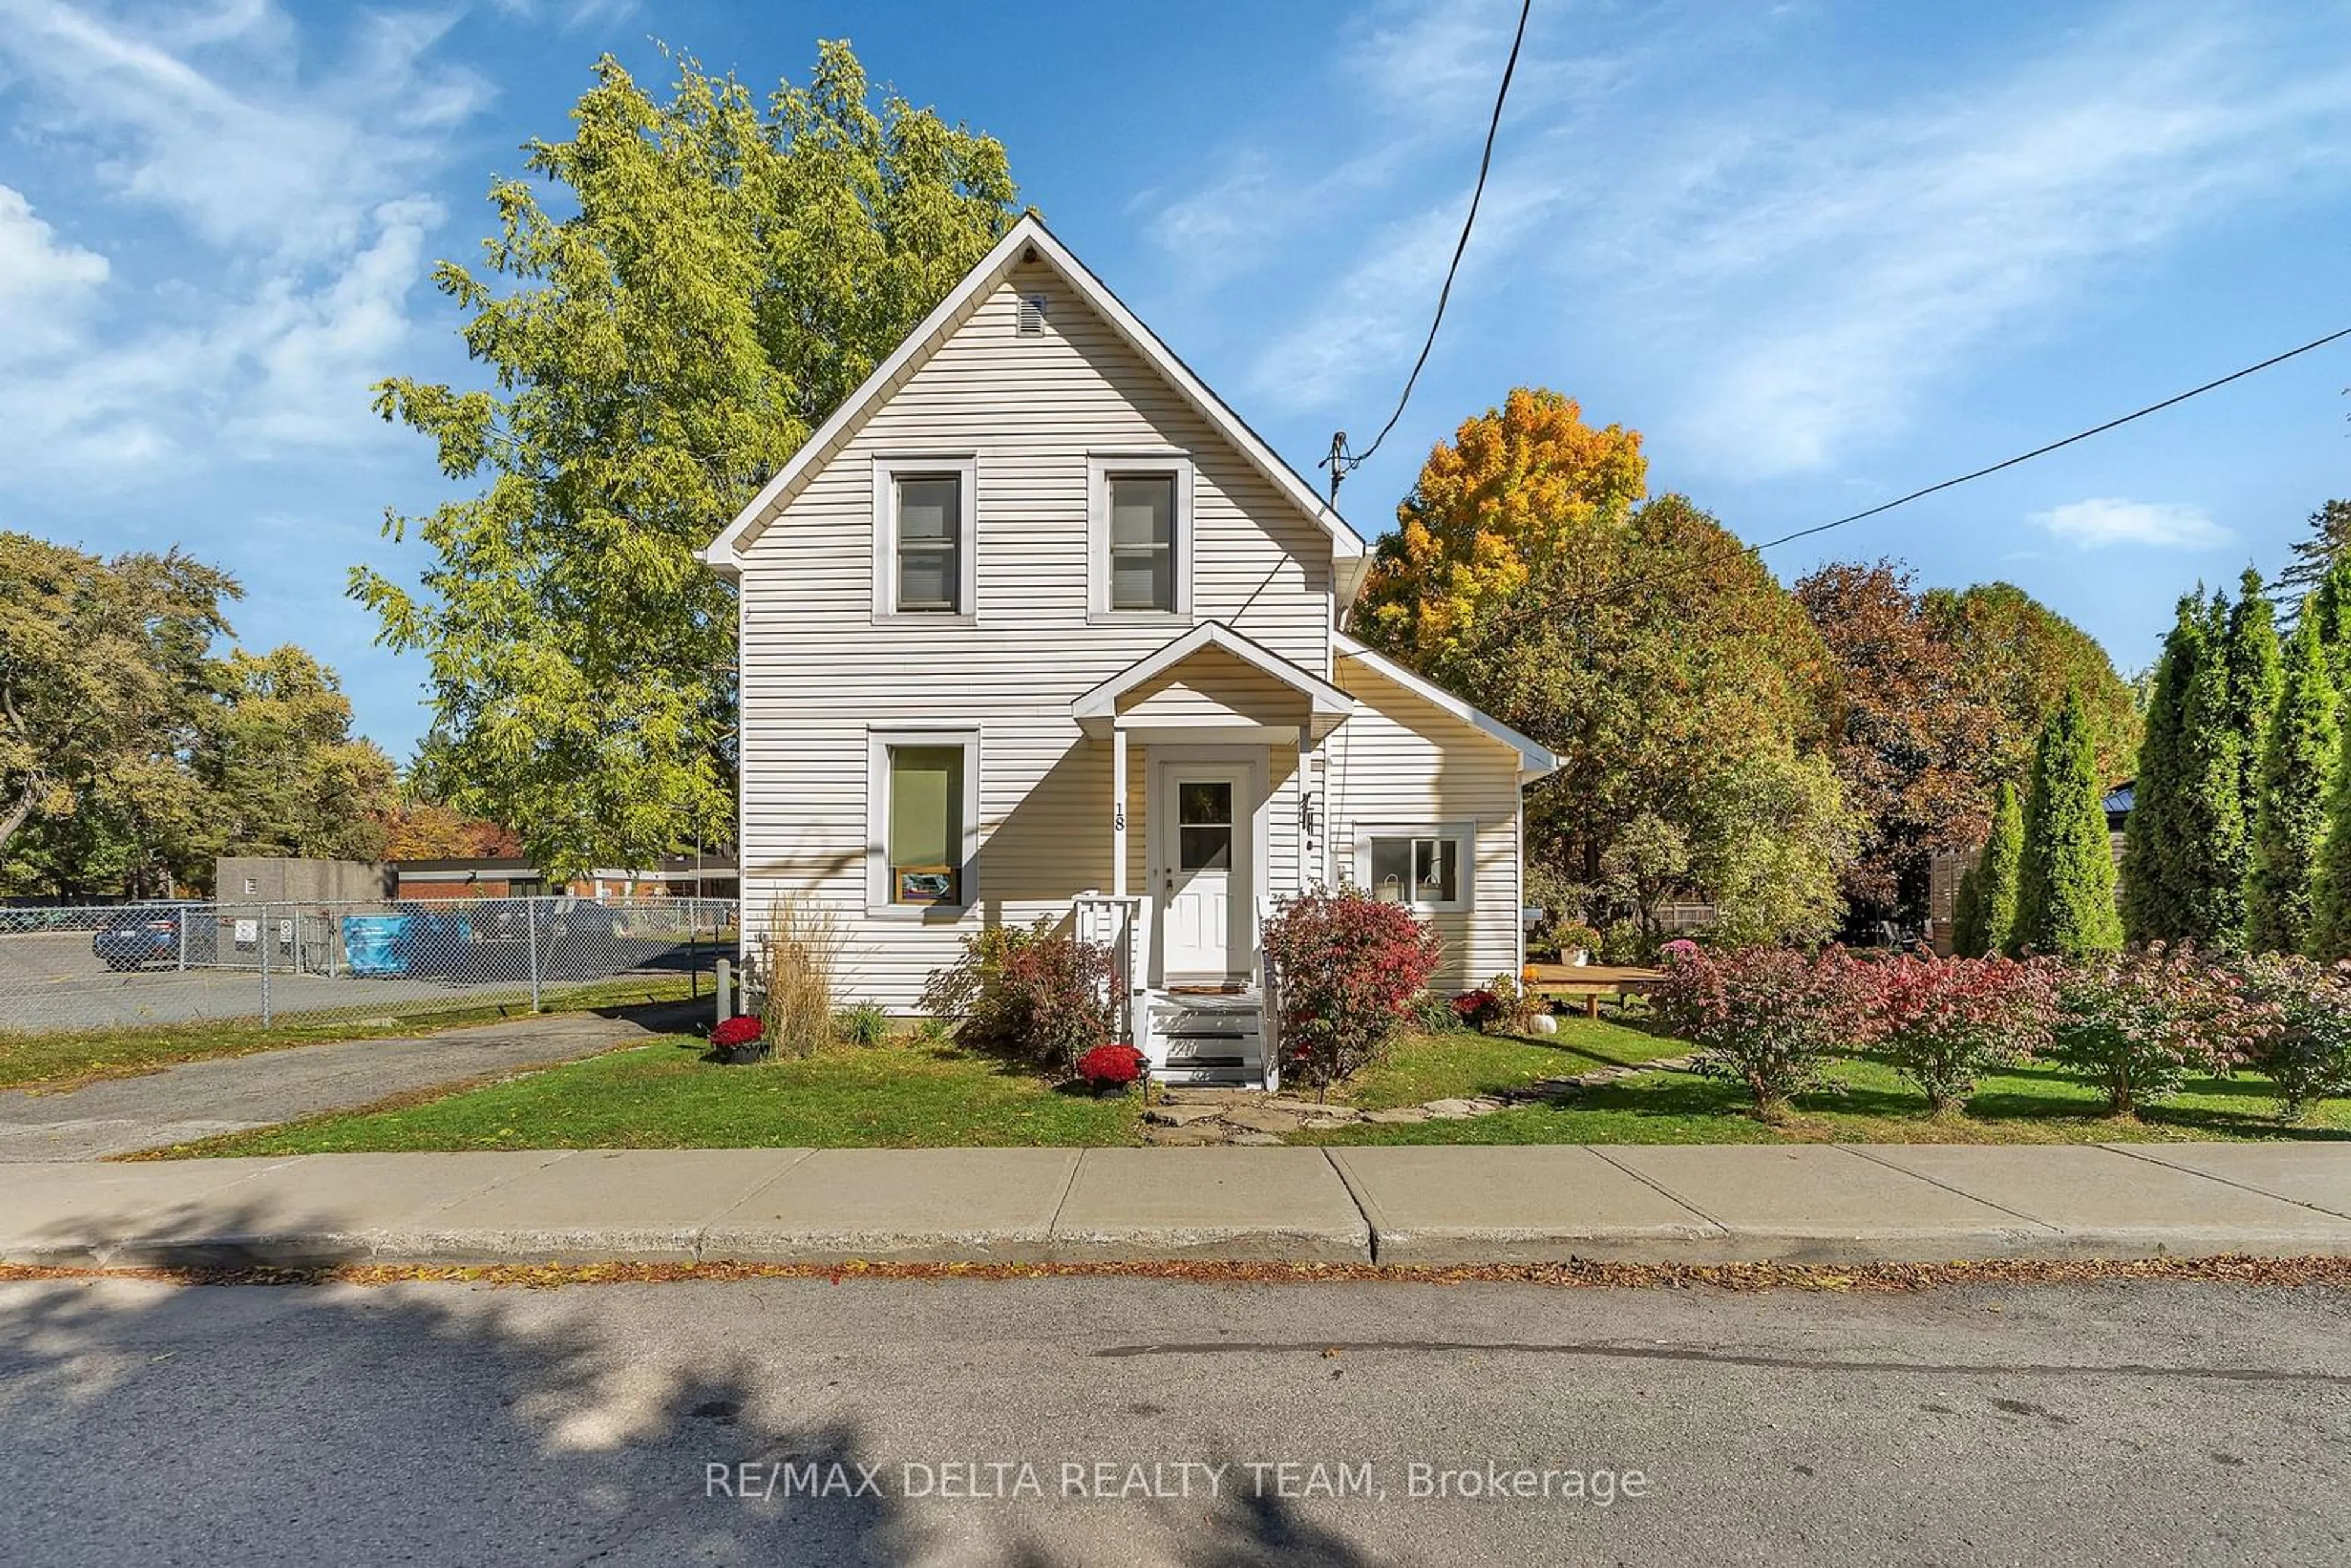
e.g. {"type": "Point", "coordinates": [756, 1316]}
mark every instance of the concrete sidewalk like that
{"type": "Point", "coordinates": [1680, 1203]}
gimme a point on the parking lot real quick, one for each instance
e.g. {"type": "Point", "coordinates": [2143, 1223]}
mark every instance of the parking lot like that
{"type": "Point", "coordinates": [54, 981]}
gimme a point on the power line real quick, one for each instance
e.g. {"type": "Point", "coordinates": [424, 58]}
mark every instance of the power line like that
{"type": "Point", "coordinates": [2042, 450]}
{"type": "Point", "coordinates": [1341, 459]}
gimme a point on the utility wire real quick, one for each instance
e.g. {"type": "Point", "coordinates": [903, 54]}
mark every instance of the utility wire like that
{"type": "Point", "coordinates": [2043, 451]}
{"type": "Point", "coordinates": [1341, 459]}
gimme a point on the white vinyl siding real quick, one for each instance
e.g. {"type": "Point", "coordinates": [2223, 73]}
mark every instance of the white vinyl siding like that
{"type": "Point", "coordinates": [1403, 768]}
{"type": "Point", "coordinates": [830, 673]}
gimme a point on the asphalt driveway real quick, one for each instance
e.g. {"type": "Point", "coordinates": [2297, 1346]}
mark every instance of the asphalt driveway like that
{"type": "Point", "coordinates": [200, 1099]}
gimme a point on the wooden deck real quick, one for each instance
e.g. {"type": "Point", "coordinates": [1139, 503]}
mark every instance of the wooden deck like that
{"type": "Point", "coordinates": [1592, 982]}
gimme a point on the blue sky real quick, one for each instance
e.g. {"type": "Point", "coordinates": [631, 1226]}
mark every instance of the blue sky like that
{"type": "Point", "coordinates": [1819, 253]}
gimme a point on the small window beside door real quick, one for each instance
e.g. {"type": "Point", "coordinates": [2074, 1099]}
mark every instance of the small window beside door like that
{"type": "Point", "coordinates": [924, 538]}
{"type": "Point", "coordinates": [1139, 545]}
{"type": "Point", "coordinates": [1428, 870]}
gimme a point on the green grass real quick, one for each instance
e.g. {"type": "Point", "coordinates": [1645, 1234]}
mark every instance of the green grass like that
{"type": "Point", "coordinates": [68, 1060]}
{"type": "Point", "coordinates": [904, 1093]}
{"type": "Point", "coordinates": [1459, 1064]}
{"type": "Point", "coordinates": [2037, 1104]}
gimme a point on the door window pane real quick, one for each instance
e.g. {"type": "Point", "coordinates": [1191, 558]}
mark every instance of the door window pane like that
{"type": "Point", "coordinates": [1204, 825]}
{"type": "Point", "coordinates": [1141, 542]}
{"type": "Point", "coordinates": [930, 518]}
{"type": "Point", "coordinates": [925, 823]}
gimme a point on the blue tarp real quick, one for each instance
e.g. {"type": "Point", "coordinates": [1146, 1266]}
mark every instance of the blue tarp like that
{"type": "Point", "coordinates": [377, 943]}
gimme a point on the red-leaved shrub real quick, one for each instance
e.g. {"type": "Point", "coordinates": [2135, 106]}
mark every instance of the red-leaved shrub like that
{"type": "Point", "coordinates": [1346, 968]}
{"type": "Point", "coordinates": [1030, 991]}
{"type": "Point", "coordinates": [2297, 1027]}
{"type": "Point", "coordinates": [1943, 1023]}
{"type": "Point", "coordinates": [2137, 1023]}
{"type": "Point", "coordinates": [1768, 1018]}
{"type": "Point", "coordinates": [1111, 1064]}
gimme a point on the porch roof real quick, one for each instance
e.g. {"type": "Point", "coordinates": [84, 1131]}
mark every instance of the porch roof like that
{"type": "Point", "coordinates": [1322, 706]}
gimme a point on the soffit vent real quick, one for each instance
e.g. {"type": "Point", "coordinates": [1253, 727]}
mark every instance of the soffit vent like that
{"type": "Point", "coordinates": [1032, 315]}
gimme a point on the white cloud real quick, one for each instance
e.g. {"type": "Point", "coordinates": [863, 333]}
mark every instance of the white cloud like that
{"type": "Point", "coordinates": [285, 182]}
{"type": "Point", "coordinates": [45, 282]}
{"type": "Point", "coordinates": [2104, 520]}
{"type": "Point", "coordinates": [1801, 248]}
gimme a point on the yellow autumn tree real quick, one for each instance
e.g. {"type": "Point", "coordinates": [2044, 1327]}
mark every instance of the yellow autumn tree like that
{"type": "Point", "coordinates": [1516, 489]}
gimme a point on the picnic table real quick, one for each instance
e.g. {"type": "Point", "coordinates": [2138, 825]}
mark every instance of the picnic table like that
{"type": "Point", "coordinates": [1592, 982]}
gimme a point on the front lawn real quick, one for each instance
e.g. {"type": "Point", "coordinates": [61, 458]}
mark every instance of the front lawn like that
{"type": "Point", "coordinates": [68, 1060]}
{"type": "Point", "coordinates": [904, 1093]}
{"type": "Point", "coordinates": [2035, 1104]}
{"type": "Point", "coordinates": [1458, 1064]}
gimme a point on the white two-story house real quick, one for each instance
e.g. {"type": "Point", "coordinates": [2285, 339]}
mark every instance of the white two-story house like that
{"type": "Point", "coordinates": [1035, 625]}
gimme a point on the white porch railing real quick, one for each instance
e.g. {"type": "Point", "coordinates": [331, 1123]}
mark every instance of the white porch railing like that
{"type": "Point", "coordinates": [1115, 921]}
{"type": "Point", "coordinates": [1270, 1001]}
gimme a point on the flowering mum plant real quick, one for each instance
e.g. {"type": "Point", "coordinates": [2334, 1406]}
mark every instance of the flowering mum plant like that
{"type": "Point", "coordinates": [1476, 1008]}
{"type": "Point", "coordinates": [1943, 1023]}
{"type": "Point", "coordinates": [1111, 1064]}
{"type": "Point", "coordinates": [740, 1030]}
{"type": "Point", "coordinates": [1768, 1018]}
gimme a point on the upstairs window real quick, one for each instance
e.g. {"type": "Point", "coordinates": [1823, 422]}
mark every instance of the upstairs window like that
{"type": "Point", "coordinates": [1139, 528]}
{"type": "Point", "coordinates": [1143, 542]}
{"type": "Point", "coordinates": [922, 510]}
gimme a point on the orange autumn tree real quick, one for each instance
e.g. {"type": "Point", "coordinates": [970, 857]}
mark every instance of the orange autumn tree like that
{"type": "Point", "coordinates": [1518, 488]}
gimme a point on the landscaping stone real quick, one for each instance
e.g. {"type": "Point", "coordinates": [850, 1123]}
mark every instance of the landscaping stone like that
{"type": "Point", "coordinates": [1256, 1140]}
{"type": "Point", "coordinates": [1183, 1137]}
{"type": "Point", "coordinates": [1180, 1115]}
{"type": "Point", "coordinates": [1451, 1109]}
{"type": "Point", "coordinates": [1263, 1119]}
{"type": "Point", "coordinates": [1402, 1113]}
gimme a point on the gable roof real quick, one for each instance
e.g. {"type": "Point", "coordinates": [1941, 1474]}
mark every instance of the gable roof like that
{"type": "Point", "coordinates": [1026, 239]}
{"type": "Point", "coordinates": [1535, 760]}
{"type": "Point", "coordinates": [1101, 700]}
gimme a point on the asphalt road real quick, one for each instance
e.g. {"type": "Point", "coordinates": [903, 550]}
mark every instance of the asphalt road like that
{"type": "Point", "coordinates": [2139, 1422]}
{"type": "Point", "coordinates": [51, 980]}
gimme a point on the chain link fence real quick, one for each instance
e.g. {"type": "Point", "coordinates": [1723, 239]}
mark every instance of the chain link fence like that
{"type": "Point", "coordinates": [282, 965]}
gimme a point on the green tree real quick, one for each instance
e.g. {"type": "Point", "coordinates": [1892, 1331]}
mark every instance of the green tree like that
{"type": "Point", "coordinates": [2330, 914]}
{"type": "Point", "coordinates": [2158, 838]}
{"type": "Point", "coordinates": [283, 772]}
{"type": "Point", "coordinates": [2329, 606]}
{"type": "Point", "coordinates": [2021, 658]}
{"type": "Point", "coordinates": [102, 664]}
{"type": "Point", "coordinates": [1966, 915]}
{"type": "Point", "coordinates": [706, 283]}
{"type": "Point", "coordinates": [1677, 680]}
{"type": "Point", "coordinates": [1999, 871]}
{"type": "Point", "coordinates": [2065, 891]}
{"type": "Point", "coordinates": [2329, 542]}
{"type": "Point", "coordinates": [2289, 811]}
{"type": "Point", "coordinates": [2256, 673]}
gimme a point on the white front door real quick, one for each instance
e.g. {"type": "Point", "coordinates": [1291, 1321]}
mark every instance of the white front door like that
{"type": "Point", "coordinates": [1200, 874]}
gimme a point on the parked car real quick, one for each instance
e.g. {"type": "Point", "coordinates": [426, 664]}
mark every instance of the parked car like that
{"type": "Point", "coordinates": [138, 937]}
